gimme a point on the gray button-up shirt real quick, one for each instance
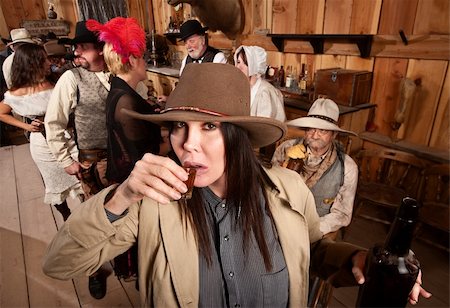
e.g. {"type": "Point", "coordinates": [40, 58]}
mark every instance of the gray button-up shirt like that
{"type": "Point", "coordinates": [238, 279]}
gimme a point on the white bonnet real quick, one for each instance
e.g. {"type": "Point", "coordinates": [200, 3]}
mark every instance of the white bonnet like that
{"type": "Point", "coordinates": [256, 58]}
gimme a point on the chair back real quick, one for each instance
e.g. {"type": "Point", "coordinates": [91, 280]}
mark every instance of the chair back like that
{"type": "Point", "coordinates": [434, 196]}
{"type": "Point", "coordinates": [392, 168]}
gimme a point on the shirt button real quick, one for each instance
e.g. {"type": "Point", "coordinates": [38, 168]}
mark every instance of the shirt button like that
{"type": "Point", "coordinates": [231, 274]}
{"type": "Point", "coordinates": [226, 237]}
{"type": "Point", "coordinates": [223, 205]}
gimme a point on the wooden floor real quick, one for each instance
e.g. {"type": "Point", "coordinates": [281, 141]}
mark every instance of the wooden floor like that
{"type": "Point", "coordinates": [27, 225]}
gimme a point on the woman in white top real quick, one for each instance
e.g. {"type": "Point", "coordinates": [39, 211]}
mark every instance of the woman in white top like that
{"type": "Point", "coordinates": [265, 100]}
{"type": "Point", "coordinates": [28, 97]}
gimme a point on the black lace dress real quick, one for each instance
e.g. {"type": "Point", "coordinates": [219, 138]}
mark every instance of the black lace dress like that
{"type": "Point", "coordinates": [128, 138]}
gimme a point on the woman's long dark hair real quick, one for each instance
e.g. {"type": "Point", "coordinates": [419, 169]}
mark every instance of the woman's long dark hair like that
{"type": "Point", "coordinates": [28, 67]}
{"type": "Point", "coordinates": [245, 190]}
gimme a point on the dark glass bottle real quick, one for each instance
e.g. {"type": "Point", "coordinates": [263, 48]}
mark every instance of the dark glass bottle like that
{"type": "Point", "coordinates": [392, 269]}
{"type": "Point", "coordinates": [281, 76]}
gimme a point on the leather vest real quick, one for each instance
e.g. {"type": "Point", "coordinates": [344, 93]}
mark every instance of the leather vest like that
{"type": "Point", "coordinates": [90, 114]}
{"type": "Point", "coordinates": [326, 189]}
{"type": "Point", "coordinates": [208, 56]}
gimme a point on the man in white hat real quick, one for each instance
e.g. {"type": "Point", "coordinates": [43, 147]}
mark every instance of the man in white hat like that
{"type": "Point", "coordinates": [330, 174]}
{"type": "Point", "coordinates": [18, 36]}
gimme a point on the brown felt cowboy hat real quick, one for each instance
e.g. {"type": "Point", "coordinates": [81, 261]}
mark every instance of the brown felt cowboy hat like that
{"type": "Point", "coordinates": [216, 92]}
{"type": "Point", "coordinates": [54, 49]}
{"type": "Point", "coordinates": [323, 114]}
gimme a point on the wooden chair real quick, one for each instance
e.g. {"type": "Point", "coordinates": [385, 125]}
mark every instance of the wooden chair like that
{"type": "Point", "coordinates": [434, 214]}
{"type": "Point", "coordinates": [385, 177]}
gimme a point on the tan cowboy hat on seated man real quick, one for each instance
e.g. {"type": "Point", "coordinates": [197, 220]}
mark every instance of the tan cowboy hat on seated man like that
{"type": "Point", "coordinates": [323, 114]}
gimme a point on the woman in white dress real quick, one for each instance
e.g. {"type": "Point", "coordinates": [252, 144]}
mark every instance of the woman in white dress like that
{"type": "Point", "coordinates": [265, 99]}
{"type": "Point", "coordinates": [28, 97]}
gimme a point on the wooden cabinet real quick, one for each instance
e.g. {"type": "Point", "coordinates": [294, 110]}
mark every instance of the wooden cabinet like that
{"type": "Point", "coordinates": [161, 84]}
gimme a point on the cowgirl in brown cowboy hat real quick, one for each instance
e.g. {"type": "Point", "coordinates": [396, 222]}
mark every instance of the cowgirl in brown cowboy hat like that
{"type": "Point", "coordinates": [243, 239]}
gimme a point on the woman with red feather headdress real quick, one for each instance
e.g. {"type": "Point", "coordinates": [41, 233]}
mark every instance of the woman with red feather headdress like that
{"type": "Point", "coordinates": [128, 139]}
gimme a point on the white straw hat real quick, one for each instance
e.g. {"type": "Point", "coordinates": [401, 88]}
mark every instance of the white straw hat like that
{"type": "Point", "coordinates": [20, 35]}
{"type": "Point", "coordinates": [323, 114]}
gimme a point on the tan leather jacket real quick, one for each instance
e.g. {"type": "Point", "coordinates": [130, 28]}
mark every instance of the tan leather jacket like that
{"type": "Point", "coordinates": [168, 255]}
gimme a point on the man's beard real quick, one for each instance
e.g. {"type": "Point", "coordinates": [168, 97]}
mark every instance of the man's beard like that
{"type": "Point", "coordinates": [84, 64]}
{"type": "Point", "coordinates": [195, 54]}
{"type": "Point", "coordinates": [315, 143]}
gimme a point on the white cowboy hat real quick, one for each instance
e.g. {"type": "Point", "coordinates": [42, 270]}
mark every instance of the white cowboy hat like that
{"type": "Point", "coordinates": [323, 114]}
{"type": "Point", "coordinates": [20, 35]}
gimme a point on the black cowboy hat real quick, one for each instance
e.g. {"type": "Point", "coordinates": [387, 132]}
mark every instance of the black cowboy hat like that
{"type": "Point", "coordinates": [82, 35]}
{"type": "Point", "coordinates": [191, 27]}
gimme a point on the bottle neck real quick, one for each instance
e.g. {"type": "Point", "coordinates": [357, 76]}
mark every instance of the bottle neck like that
{"type": "Point", "coordinates": [401, 232]}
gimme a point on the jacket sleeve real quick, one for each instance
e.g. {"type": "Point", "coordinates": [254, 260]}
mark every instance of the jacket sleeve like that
{"type": "Point", "coordinates": [62, 103]}
{"type": "Point", "coordinates": [88, 239]}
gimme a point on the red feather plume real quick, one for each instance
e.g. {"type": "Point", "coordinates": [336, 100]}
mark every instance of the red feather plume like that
{"type": "Point", "coordinates": [124, 34]}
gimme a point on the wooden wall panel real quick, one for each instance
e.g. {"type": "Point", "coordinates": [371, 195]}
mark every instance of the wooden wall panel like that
{"type": "Point", "coordinates": [338, 15]}
{"type": "Point", "coordinates": [137, 9]}
{"type": "Point", "coordinates": [256, 12]}
{"type": "Point", "coordinates": [387, 75]}
{"type": "Point", "coordinates": [67, 10]}
{"type": "Point", "coordinates": [440, 136]}
{"type": "Point", "coordinates": [365, 16]}
{"type": "Point", "coordinates": [432, 17]}
{"type": "Point", "coordinates": [358, 63]}
{"type": "Point", "coordinates": [249, 16]}
{"type": "Point", "coordinates": [284, 16]}
{"type": "Point", "coordinates": [431, 74]}
{"type": "Point", "coordinates": [15, 12]}
{"type": "Point", "coordinates": [431, 47]}
{"type": "Point", "coordinates": [310, 14]}
{"type": "Point", "coordinates": [4, 31]}
{"type": "Point", "coordinates": [397, 15]}
{"type": "Point", "coordinates": [330, 61]}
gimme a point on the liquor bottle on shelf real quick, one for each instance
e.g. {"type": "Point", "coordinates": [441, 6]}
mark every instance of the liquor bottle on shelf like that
{"type": "Point", "coordinates": [304, 83]}
{"type": "Point", "coordinates": [294, 82]}
{"type": "Point", "coordinates": [289, 77]}
{"type": "Point", "coordinates": [281, 76]}
{"type": "Point", "coordinates": [392, 268]}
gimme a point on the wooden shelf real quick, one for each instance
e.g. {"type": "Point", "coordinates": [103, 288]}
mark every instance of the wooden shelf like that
{"type": "Point", "coordinates": [364, 41]}
{"type": "Point", "coordinates": [422, 151]}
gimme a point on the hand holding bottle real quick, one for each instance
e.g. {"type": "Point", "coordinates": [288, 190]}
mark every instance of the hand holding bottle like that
{"type": "Point", "coordinates": [358, 269]}
{"type": "Point", "coordinates": [417, 291]}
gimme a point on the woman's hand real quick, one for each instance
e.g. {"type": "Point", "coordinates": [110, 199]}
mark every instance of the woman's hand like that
{"type": "Point", "coordinates": [155, 177]}
{"type": "Point", "coordinates": [359, 260]}
{"type": "Point", "coordinates": [359, 265]}
{"type": "Point", "coordinates": [418, 290]}
{"type": "Point", "coordinates": [35, 126]}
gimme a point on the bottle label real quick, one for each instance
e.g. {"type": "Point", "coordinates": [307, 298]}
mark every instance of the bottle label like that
{"type": "Point", "coordinates": [302, 84]}
{"type": "Point", "coordinates": [288, 82]}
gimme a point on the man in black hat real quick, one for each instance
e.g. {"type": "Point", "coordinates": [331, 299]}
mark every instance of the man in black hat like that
{"type": "Point", "coordinates": [81, 93]}
{"type": "Point", "coordinates": [196, 42]}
